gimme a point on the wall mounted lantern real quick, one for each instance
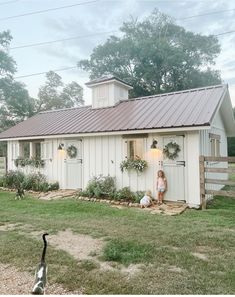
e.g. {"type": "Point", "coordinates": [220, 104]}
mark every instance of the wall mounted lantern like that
{"type": "Point", "coordinates": [60, 147]}
{"type": "Point", "coordinates": [154, 144]}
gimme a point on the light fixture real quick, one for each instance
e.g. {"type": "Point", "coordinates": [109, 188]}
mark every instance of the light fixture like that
{"type": "Point", "coordinates": [154, 144]}
{"type": "Point", "coordinates": [60, 147]}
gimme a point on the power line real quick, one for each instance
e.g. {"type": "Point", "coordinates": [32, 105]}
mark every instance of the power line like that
{"type": "Point", "coordinates": [60, 40]}
{"type": "Point", "coordinates": [83, 36]}
{"type": "Point", "coordinates": [73, 67]}
{"type": "Point", "coordinates": [40, 73]}
{"type": "Point", "coordinates": [228, 32]}
{"type": "Point", "coordinates": [46, 10]}
{"type": "Point", "coordinates": [205, 14]}
{"type": "Point", "coordinates": [8, 2]}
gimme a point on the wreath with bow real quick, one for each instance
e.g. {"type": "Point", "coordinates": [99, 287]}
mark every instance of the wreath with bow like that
{"type": "Point", "coordinates": [72, 151]}
{"type": "Point", "coordinates": [171, 150]}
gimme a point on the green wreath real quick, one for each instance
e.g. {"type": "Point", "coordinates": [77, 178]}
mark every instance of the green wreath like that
{"type": "Point", "coordinates": [171, 150]}
{"type": "Point", "coordinates": [72, 151]}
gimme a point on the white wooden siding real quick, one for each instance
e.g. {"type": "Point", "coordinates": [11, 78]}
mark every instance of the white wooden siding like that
{"type": "Point", "coordinates": [217, 128]}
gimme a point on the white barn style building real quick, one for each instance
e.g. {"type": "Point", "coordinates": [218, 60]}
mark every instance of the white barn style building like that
{"type": "Point", "coordinates": [114, 128]}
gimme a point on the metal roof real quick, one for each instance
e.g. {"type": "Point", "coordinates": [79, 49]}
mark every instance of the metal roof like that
{"type": "Point", "coordinates": [189, 108]}
{"type": "Point", "coordinates": [106, 79]}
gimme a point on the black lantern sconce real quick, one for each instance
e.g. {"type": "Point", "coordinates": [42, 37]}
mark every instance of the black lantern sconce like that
{"type": "Point", "coordinates": [60, 147]}
{"type": "Point", "coordinates": [154, 144]}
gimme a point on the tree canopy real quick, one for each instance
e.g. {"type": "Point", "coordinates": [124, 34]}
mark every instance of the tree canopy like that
{"type": "Point", "coordinates": [54, 94]}
{"type": "Point", "coordinates": [16, 104]}
{"type": "Point", "coordinates": [156, 56]}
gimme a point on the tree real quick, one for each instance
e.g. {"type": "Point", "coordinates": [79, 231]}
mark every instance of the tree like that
{"type": "Point", "coordinates": [16, 103]}
{"type": "Point", "coordinates": [55, 95]}
{"type": "Point", "coordinates": [156, 56]}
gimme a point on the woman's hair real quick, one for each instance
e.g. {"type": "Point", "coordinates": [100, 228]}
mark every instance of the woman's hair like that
{"type": "Point", "coordinates": [163, 174]}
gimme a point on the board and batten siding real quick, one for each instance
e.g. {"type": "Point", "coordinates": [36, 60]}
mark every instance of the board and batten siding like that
{"type": "Point", "coordinates": [103, 155]}
{"type": "Point", "coordinates": [54, 161]}
{"type": "Point", "coordinates": [217, 128]}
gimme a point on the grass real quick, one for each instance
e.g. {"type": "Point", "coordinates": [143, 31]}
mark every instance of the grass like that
{"type": "Point", "coordinates": [164, 245]}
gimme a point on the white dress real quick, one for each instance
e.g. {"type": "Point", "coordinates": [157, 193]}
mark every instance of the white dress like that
{"type": "Point", "coordinates": [145, 201]}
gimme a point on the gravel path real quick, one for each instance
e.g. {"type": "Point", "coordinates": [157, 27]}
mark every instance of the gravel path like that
{"type": "Point", "coordinates": [15, 282]}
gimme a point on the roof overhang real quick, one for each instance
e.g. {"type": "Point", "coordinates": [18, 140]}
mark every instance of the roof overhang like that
{"type": "Point", "coordinates": [106, 133]}
{"type": "Point", "coordinates": [226, 109]}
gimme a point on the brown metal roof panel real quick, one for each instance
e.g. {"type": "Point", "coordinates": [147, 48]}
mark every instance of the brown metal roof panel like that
{"type": "Point", "coordinates": [187, 109]}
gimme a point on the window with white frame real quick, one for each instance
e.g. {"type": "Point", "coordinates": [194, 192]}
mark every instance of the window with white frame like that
{"type": "Point", "coordinates": [36, 149]}
{"type": "Point", "coordinates": [135, 148]}
{"type": "Point", "coordinates": [46, 150]}
{"type": "Point", "coordinates": [215, 144]}
{"type": "Point", "coordinates": [14, 150]}
{"type": "Point", "coordinates": [24, 149]}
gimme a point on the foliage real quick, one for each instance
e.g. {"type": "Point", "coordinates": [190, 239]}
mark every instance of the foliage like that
{"type": "Point", "coordinates": [54, 95]}
{"type": "Point", "coordinates": [100, 186]}
{"type": "Point", "coordinates": [171, 150]}
{"type": "Point", "coordinates": [72, 151]}
{"type": "Point", "coordinates": [156, 56]}
{"type": "Point", "coordinates": [12, 179]}
{"type": "Point", "coordinates": [34, 162]}
{"type": "Point", "coordinates": [124, 194]}
{"type": "Point", "coordinates": [133, 164]}
{"type": "Point", "coordinates": [16, 104]}
{"type": "Point", "coordinates": [127, 252]}
{"type": "Point", "coordinates": [7, 64]}
{"type": "Point", "coordinates": [35, 181]}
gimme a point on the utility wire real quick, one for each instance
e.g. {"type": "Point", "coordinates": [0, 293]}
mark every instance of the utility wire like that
{"type": "Point", "coordinates": [73, 67]}
{"type": "Point", "coordinates": [40, 73]}
{"type": "Point", "coordinates": [205, 14]}
{"type": "Point", "coordinates": [8, 2]}
{"type": "Point", "coordinates": [93, 1]}
{"type": "Point", "coordinates": [46, 10]}
{"type": "Point", "coordinates": [60, 40]}
{"type": "Point", "coordinates": [83, 36]}
{"type": "Point", "coordinates": [99, 33]}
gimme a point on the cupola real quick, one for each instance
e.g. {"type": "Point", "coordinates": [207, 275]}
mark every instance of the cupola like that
{"type": "Point", "coordinates": [108, 91]}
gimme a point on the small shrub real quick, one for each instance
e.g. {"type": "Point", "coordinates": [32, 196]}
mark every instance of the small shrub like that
{"type": "Point", "coordinates": [83, 193]}
{"type": "Point", "coordinates": [53, 186]}
{"type": "Point", "coordinates": [124, 194]}
{"type": "Point", "coordinates": [100, 186]}
{"type": "Point", "coordinates": [35, 182]}
{"type": "Point", "coordinates": [13, 179]}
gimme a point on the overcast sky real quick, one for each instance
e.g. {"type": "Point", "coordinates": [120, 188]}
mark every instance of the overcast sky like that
{"type": "Point", "coordinates": [97, 16]}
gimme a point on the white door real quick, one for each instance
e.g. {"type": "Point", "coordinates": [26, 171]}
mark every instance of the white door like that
{"type": "Point", "coordinates": [174, 170]}
{"type": "Point", "coordinates": [73, 164]}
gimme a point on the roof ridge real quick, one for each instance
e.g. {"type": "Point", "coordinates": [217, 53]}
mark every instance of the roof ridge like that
{"type": "Point", "coordinates": [66, 108]}
{"type": "Point", "coordinates": [176, 92]}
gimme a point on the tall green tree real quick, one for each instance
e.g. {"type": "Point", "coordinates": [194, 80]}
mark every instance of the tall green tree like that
{"type": "Point", "coordinates": [16, 104]}
{"type": "Point", "coordinates": [54, 94]}
{"type": "Point", "coordinates": [155, 56]}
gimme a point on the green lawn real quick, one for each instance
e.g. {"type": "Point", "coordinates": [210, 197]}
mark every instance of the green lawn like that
{"type": "Point", "coordinates": [164, 245]}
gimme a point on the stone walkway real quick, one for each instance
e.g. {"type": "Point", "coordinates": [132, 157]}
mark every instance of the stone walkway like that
{"type": "Point", "coordinates": [168, 208]}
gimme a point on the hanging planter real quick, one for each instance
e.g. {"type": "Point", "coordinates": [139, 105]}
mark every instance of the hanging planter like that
{"type": "Point", "coordinates": [72, 151]}
{"type": "Point", "coordinates": [137, 165]}
{"type": "Point", "coordinates": [33, 162]}
{"type": "Point", "coordinates": [171, 150]}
